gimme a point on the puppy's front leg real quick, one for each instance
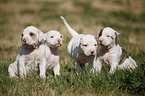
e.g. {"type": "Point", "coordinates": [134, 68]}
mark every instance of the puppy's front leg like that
{"type": "Point", "coordinates": [21, 66]}
{"type": "Point", "coordinates": [56, 69]}
{"type": "Point", "coordinates": [77, 67]}
{"type": "Point", "coordinates": [42, 67]}
{"type": "Point", "coordinates": [98, 65]}
{"type": "Point", "coordinates": [92, 65]}
{"type": "Point", "coordinates": [113, 67]}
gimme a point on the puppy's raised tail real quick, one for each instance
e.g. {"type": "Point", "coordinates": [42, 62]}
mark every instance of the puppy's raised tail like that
{"type": "Point", "coordinates": [71, 31]}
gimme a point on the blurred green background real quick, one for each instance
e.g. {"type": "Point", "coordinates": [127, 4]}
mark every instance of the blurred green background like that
{"type": "Point", "coordinates": [85, 16]}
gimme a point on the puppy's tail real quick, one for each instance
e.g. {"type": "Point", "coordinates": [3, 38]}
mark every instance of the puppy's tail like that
{"type": "Point", "coordinates": [71, 31]}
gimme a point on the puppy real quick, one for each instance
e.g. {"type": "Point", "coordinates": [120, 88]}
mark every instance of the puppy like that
{"type": "Point", "coordinates": [82, 49]}
{"type": "Point", "coordinates": [111, 53]}
{"type": "Point", "coordinates": [53, 41]}
{"type": "Point", "coordinates": [31, 54]}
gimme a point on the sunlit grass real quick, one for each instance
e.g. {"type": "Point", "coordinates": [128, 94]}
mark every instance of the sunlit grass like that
{"type": "Point", "coordinates": [86, 18]}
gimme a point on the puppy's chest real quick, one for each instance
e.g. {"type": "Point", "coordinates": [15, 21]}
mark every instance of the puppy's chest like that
{"type": "Point", "coordinates": [106, 57]}
{"type": "Point", "coordinates": [32, 56]}
{"type": "Point", "coordinates": [52, 59]}
{"type": "Point", "coordinates": [84, 59]}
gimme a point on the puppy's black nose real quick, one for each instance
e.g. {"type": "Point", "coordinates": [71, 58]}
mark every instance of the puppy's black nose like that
{"type": "Point", "coordinates": [100, 42]}
{"type": "Point", "coordinates": [24, 40]}
{"type": "Point", "coordinates": [92, 52]}
{"type": "Point", "coordinates": [58, 40]}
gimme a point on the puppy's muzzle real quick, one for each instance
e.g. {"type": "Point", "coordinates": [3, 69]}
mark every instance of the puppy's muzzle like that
{"type": "Point", "coordinates": [92, 52]}
{"type": "Point", "coordinates": [100, 42]}
{"type": "Point", "coordinates": [58, 40]}
{"type": "Point", "coordinates": [24, 41]}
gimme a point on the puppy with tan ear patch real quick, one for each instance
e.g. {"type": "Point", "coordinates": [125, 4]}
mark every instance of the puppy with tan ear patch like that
{"type": "Point", "coordinates": [81, 48]}
{"type": "Point", "coordinates": [31, 54]}
{"type": "Point", "coordinates": [53, 41]}
{"type": "Point", "coordinates": [111, 53]}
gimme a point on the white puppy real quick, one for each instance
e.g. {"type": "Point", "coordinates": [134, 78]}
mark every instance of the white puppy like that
{"type": "Point", "coordinates": [81, 48]}
{"type": "Point", "coordinates": [53, 41]}
{"type": "Point", "coordinates": [111, 53]}
{"type": "Point", "coordinates": [31, 54]}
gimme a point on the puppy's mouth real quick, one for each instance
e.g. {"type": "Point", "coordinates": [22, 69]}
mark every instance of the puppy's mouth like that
{"type": "Point", "coordinates": [28, 46]}
{"type": "Point", "coordinates": [55, 45]}
{"type": "Point", "coordinates": [90, 54]}
{"type": "Point", "coordinates": [100, 43]}
{"type": "Point", "coordinates": [58, 44]}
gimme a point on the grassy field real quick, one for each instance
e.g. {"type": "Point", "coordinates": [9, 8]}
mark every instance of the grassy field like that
{"type": "Point", "coordinates": [87, 17]}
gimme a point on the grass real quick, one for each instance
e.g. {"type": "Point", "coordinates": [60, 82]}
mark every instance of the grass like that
{"type": "Point", "coordinates": [85, 17]}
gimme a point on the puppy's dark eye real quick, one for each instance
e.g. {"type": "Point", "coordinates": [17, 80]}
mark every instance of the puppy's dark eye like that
{"type": "Point", "coordinates": [108, 36]}
{"type": "Point", "coordinates": [22, 35]}
{"type": "Point", "coordinates": [84, 45]}
{"type": "Point", "coordinates": [51, 37]}
{"type": "Point", "coordinates": [60, 36]}
{"type": "Point", "coordinates": [31, 34]}
{"type": "Point", "coordinates": [95, 44]}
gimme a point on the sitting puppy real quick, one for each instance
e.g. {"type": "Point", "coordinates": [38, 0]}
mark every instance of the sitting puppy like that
{"type": "Point", "coordinates": [111, 53]}
{"type": "Point", "coordinates": [31, 54]}
{"type": "Point", "coordinates": [82, 49]}
{"type": "Point", "coordinates": [53, 41]}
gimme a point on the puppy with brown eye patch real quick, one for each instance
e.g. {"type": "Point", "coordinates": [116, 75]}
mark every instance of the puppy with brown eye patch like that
{"type": "Point", "coordinates": [81, 48]}
{"type": "Point", "coordinates": [53, 41]}
{"type": "Point", "coordinates": [31, 54]}
{"type": "Point", "coordinates": [109, 52]}
{"type": "Point", "coordinates": [33, 35]}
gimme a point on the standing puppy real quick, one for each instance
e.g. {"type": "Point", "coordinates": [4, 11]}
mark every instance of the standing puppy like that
{"type": "Point", "coordinates": [81, 48]}
{"type": "Point", "coordinates": [111, 53]}
{"type": "Point", "coordinates": [53, 41]}
{"type": "Point", "coordinates": [31, 54]}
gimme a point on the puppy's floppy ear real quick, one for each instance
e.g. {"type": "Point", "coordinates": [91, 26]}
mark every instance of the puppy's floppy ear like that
{"type": "Point", "coordinates": [100, 33]}
{"type": "Point", "coordinates": [41, 36]}
{"type": "Point", "coordinates": [79, 41]}
{"type": "Point", "coordinates": [117, 35]}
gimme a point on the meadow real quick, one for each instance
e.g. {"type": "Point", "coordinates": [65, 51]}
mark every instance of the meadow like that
{"type": "Point", "coordinates": [85, 16]}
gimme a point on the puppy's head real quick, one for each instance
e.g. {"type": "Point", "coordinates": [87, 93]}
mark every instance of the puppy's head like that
{"type": "Point", "coordinates": [54, 39]}
{"type": "Point", "coordinates": [89, 45]}
{"type": "Point", "coordinates": [108, 37]}
{"type": "Point", "coordinates": [31, 37]}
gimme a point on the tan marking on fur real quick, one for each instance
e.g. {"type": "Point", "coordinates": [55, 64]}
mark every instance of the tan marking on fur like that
{"type": "Point", "coordinates": [34, 36]}
{"type": "Point", "coordinates": [123, 56]}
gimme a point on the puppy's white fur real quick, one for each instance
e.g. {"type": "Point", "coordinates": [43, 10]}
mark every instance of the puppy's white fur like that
{"type": "Point", "coordinates": [53, 41]}
{"type": "Point", "coordinates": [111, 53]}
{"type": "Point", "coordinates": [81, 48]}
{"type": "Point", "coordinates": [31, 54]}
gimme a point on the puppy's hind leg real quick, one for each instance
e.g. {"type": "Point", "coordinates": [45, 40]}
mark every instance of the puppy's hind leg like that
{"type": "Point", "coordinates": [129, 63]}
{"type": "Point", "coordinates": [133, 63]}
{"type": "Point", "coordinates": [11, 71]}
